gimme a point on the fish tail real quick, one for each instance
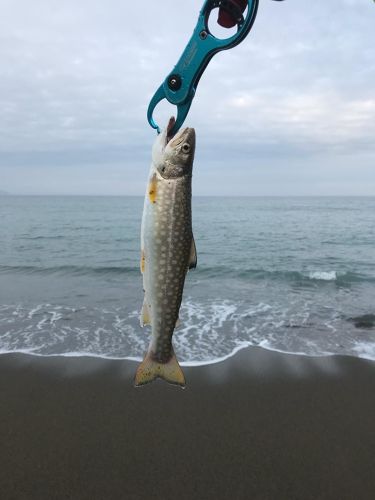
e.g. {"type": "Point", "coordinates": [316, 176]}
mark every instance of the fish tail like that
{"type": "Point", "coordinates": [151, 369]}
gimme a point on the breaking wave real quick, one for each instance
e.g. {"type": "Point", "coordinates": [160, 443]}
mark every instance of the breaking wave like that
{"type": "Point", "coordinates": [344, 277]}
{"type": "Point", "coordinates": [210, 331]}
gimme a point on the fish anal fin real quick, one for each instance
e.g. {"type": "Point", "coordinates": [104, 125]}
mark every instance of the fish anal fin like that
{"type": "Point", "coordinates": [145, 318]}
{"type": "Point", "coordinates": [151, 369]}
{"type": "Point", "coordinates": [193, 255]}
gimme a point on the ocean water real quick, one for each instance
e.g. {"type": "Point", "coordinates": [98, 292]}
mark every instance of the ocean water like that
{"type": "Point", "coordinates": [289, 274]}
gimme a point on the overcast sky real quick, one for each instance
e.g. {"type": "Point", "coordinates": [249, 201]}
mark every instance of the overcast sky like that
{"type": "Point", "coordinates": [290, 111]}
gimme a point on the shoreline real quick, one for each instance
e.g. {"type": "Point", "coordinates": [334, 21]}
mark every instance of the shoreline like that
{"type": "Point", "coordinates": [260, 425]}
{"type": "Point", "coordinates": [185, 364]}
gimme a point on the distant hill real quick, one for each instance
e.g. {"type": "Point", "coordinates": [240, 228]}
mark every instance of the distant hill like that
{"type": "Point", "coordinates": [4, 193]}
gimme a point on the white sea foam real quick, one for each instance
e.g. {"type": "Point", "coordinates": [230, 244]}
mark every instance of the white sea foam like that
{"type": "Point", "coordinates": [365, 350]}
{"type": "Point", "coordinates": [34, 311]}
{"type": "Point", "coordinates": [244, 345]}
{"type": "Point", "coordinates": [323, 275]}
{"type": "Point", "coordinates": [210, 332]}
{"type": "Point", "coordinates": [266, 344]}
{"type": "Point", "coordinates": [259, 308]}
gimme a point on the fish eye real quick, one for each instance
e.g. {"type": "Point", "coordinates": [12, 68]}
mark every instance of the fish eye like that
{"type": "Point", "coordinates": [185, 147]}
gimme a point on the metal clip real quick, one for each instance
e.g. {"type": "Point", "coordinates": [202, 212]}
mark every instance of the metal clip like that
{"type": "Point", "coordinates": [180, 85]}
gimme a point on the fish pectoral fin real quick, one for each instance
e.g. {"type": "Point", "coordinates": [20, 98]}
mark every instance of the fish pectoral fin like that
{"type": "Point", "coordinates": [178, 322]}
{"type": "Point", "coordinates": [152, 188]}
{"type": "Point", "coordinates": [150, 369]}
{"type": "Point", "coordinates": [145, 318]}
{"type": "Point", "coordinates": [193, 255]}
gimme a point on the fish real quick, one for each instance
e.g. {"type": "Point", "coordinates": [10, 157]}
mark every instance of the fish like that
{"type": "Point", "coordinates": [167, 250]}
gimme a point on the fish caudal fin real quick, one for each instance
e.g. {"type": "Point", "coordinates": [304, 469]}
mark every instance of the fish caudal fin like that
{"type": "Point", "coordinates": [150, 369]}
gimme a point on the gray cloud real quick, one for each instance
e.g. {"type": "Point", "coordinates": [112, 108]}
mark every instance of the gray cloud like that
{"type": "Point", "coordinates": [289, 111]}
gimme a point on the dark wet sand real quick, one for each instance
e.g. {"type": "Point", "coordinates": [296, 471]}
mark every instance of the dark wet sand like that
{"type": "Point", "coordinates": [260, 425]}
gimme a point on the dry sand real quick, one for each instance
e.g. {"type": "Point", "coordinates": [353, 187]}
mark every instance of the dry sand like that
{"type": "Point", "coordinates": [261, 425]}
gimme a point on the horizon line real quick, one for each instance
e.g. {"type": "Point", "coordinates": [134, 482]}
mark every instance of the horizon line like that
{"type": "Point", "coordinates": [5, 195]}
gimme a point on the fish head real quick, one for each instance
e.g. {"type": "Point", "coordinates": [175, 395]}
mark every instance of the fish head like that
{"type": "Point", "coordinates": [173, 156]}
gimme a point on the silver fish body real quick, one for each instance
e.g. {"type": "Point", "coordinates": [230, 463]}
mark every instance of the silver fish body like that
{"type": "Point", "coordinates": [167, 250]}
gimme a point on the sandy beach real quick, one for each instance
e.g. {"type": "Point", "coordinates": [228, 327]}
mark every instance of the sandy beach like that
{"type": "Point", "coordinates": [260, 425]}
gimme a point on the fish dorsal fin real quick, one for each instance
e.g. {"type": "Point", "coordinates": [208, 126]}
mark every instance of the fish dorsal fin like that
{"type": "Point", "coordinates": [193, 255]}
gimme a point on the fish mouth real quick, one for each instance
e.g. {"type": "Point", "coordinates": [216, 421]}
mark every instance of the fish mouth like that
{"type": "Point", "coordinates": [168, 131]}
{"type": "Point", "coordinates": [178, 137]}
